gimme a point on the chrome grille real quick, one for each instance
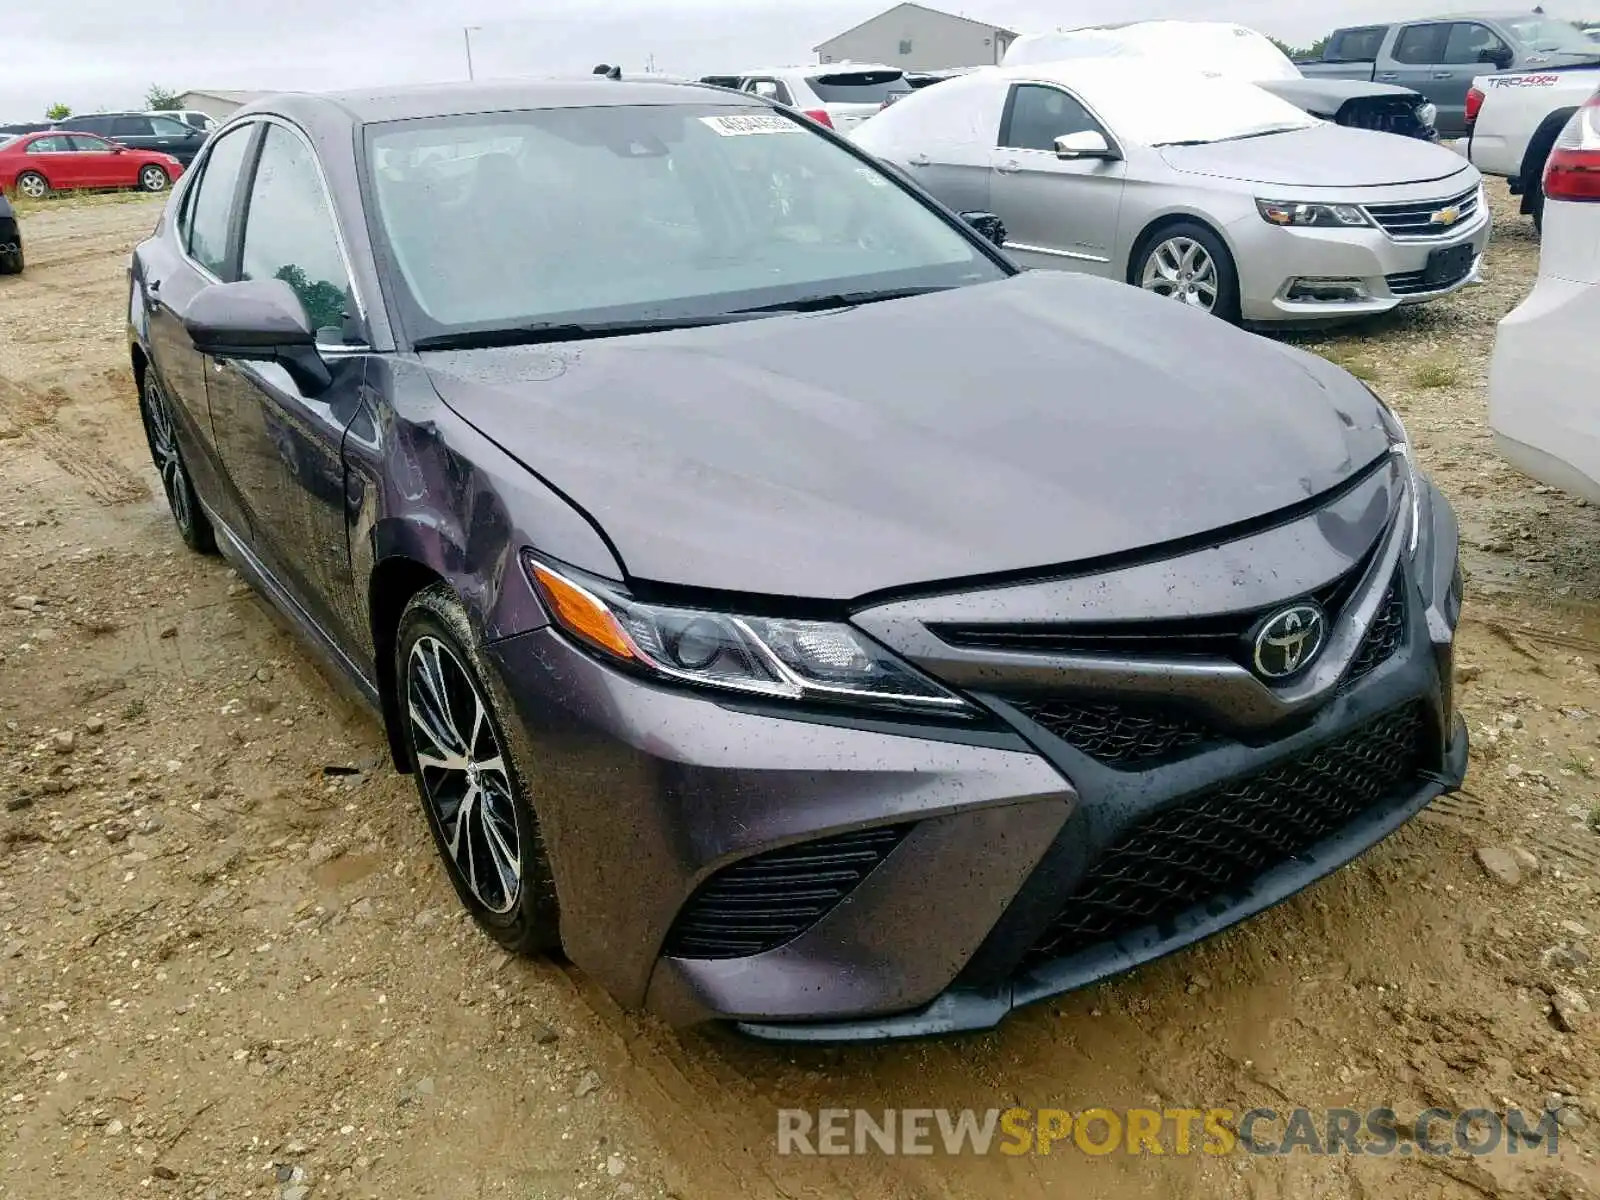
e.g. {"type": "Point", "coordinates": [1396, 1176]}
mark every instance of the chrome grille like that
{"type": "Point", "coordinates": [1413, 221]}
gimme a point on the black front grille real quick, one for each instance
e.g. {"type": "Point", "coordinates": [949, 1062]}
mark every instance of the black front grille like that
{"type": "Point", "coordinates": [1417, 283]}
{"type": "Point", "coordinates": [1118, 734]}
{"type": "Point", "coordinates": [1414, 220]}
{"type": "Point", "coordinates": [761, 902]}
{"type": "Point", "coordinates": [1215, 843]}
{"type": "Point", "coordinates": [1384, 635]}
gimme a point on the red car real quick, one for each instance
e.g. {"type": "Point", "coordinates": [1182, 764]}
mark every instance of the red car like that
{"type": "Point", "coordinates": [35, 164]}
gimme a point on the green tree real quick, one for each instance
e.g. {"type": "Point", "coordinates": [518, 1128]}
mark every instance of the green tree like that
{"type": "Point", "coordinates": [58, 112]}
{"type": "Point", "coordinates": [159, 99]}
{"type": "Point", "coordinates": [1312, 51]}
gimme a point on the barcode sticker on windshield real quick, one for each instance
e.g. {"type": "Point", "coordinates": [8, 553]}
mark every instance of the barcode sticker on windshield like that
{"type": "Point", "coordinates": [741, 124]}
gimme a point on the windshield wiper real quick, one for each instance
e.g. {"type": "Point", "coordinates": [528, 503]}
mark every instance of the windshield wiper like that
{"type": "Point", "coordinates": [572, 331]}
{"type": "Point", "coordinates": [843, 300]}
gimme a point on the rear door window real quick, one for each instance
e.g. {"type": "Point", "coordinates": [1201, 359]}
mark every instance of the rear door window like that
{"type": "Point", "coordinates": [210, 213]}
{"type": "Point", "coordinates": [56, 143]}
{"type": "Point", "coordinates": [130, 127]}
{"type": "Point", "coordinates": [1356, 45]}
{"type": "Point", "coordinates": [1420, 45]}
{"type": "Point", "coordinates": [858, 87]}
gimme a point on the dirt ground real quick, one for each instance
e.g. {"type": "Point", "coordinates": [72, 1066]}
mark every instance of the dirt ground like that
{"type": "Point", "coordinates": [230, 965]}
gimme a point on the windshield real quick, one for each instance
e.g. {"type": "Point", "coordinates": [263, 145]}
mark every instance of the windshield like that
{"type": "Point", "coordinates": [1549, 35]}
{"type": "Point", "coordinates": [629, 213]}
{"type": "Point", "coordinates": [1163, 107]}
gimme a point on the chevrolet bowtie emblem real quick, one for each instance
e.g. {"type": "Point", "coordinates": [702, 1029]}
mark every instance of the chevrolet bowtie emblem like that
{"type": "Point", "coordinates": [1446, 216]}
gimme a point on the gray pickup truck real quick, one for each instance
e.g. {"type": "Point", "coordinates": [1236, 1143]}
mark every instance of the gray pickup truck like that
{"type": "Point", "coordinates": [1440, 56]}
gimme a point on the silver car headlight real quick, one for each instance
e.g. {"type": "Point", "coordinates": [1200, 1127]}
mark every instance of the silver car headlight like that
{"type": "Point", "coordinates": [775, 657]}
{"type": "Point", "coordinates": [1289, 213]}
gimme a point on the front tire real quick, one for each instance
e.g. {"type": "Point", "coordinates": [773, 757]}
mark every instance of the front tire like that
{"type": "Point", "coordinates": [33, 185]}
{"type": "Point", "coordinates": [1189, 263]}
{"type": "Point", "coordinates": [160, 431]}
{"type": "Point", "coordinates": [153, 178]}
{"type": "Point", "coordinates": [11, 262]}
{"type": "Point", "coordinates": [472, 791]}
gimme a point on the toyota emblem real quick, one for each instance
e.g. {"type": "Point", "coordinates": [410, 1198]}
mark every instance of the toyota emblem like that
{"type": "Point", "coordinates": [1289, 641]}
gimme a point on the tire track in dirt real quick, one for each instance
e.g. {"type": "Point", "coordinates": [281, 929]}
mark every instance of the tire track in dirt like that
{"type": "Point", "coordinates": [26, 413]}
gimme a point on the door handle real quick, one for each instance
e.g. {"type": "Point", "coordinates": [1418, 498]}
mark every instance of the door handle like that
{"type": "Point", "coordinates": [1388, 74]}
{"type": "Point", "coordinates": [919, 160]}
{"type": "Point", "coordinates": [1010, 167]}
{"type": "Point", "coordinates": [1444, 74]}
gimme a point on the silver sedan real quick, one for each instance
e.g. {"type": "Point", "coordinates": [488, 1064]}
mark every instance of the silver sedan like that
{"type": "Point", "coordinates": [1209, 191]}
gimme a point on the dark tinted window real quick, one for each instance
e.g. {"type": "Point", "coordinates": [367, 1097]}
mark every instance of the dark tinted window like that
{"type": "Point", "coordinates": [100, 125]}
{"type": "Point", "coordinates": [130, 127]}
{"type": "Point", "coordinates": [98, 145]}
{"type": "Point", "coordinates": [858, 87]}
{"type": "Point", "coordinates": [212, 204]}
{"type": "Point", "coordinates": [55, 143]}
{"type": "Point", "coordinates": [289, 231]}
{"type": "Point", "coordinates": [1039, 115]}
{"type": "Point", "coordinates": [1356, 45]}
{"type": "Point", "coordinates": [1419, 45]}
{"type": "Point", "coordinates": [168, 126]}
{"type": "Point", "coordinates": [1469, 42]}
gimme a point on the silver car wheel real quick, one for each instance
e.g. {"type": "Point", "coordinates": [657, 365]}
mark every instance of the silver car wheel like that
{"type": "Point", "coordinates": [33, 186]}
{"type": "Point", "coordinates": [463, 772]}
{"type": "Point", "coordinates": [153, 179]}
{"type": "Point", "coordinates": [1181, 269]}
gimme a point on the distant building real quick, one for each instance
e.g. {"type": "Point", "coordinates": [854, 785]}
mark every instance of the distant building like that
{"type": "Point", "coordinates": [919, 39]}
{"type": "Point", "coordinates": [219, 105]}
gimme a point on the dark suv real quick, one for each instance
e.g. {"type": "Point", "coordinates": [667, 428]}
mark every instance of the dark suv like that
{"type": "Point", "coordinates": [143, 132]}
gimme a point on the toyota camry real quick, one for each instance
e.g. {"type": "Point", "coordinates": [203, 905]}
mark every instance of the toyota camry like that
{"type": "Point", "coordinates": [787, 608]}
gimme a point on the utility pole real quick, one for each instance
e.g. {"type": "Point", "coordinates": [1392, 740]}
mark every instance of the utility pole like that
{"type": "Point", "coordinates": [466, 36]}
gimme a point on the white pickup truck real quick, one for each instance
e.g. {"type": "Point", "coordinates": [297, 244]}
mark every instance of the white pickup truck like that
{"type": "Point", "coordinates": [1514, 118]}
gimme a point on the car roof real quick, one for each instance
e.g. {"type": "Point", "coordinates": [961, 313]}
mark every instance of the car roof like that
{"type": "Point", "coordinates": [842, 68]}
{"type": "Point", "coordinates": [462, 99]}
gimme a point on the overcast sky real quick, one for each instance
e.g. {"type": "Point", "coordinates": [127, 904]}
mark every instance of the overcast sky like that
{"type": "Point", "coordinates": [104, 54]}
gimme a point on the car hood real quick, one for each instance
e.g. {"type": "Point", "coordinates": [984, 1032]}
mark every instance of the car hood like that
{"type": "Point", "coordinates": [1013, 426]}
{"type": "Point", "coordinates": [1321, 156]}
{"type": "Point", "coordinates": [1304, 93]}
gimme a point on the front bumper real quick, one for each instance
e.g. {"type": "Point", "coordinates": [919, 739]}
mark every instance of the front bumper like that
{"type": "Point", "coordinates": [651, 798]}
{"type": "Point", "coordinates": [1273, 264]}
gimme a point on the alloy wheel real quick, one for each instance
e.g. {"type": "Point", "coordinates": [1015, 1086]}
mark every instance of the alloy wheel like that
{"type": "Point", "coordinates": [153, 179]}
{"type": "Point", "coordinates": [1181, 269]}
{"type": "Point", "coordinates": [33, 186]}
{"type": "Point", "coordinates": [164, 447]}
{"type": "Point", "coordinates": [463, 772]}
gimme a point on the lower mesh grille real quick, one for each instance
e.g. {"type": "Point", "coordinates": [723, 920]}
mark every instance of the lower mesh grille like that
{"type": "Point", "coordinates": [1217, 842]}
{"type": "Point", "coordinates": [761, 902]}
{"type": "Point", "coordinates": [1384, 635]}
{"type": "Point", "coordinates": [1116, 734]}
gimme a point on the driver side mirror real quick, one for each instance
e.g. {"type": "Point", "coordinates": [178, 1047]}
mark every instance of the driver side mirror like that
{"type": "Point", "coordinates": [986, 225]}
{"type": "Point", "coordinates": [1088, 144]}
{"type": "Point", "coordinates": [258, 320]}
{"type": "Point", "coordinates": [1499, 58]}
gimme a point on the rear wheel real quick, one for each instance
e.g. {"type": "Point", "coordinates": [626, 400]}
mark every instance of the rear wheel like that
{"type": "Point", "coordinates": [1189, 263]}
{"type": "Point", "coordinates": [161, 432]}
{"type": "Point", "coordinates": [472, 791]}
{"type": "Point", "coordinates": [153, 178]}
{"type": "Point", "coordinates": [33, 185]}
{"type": "Point", "coordinates": [11, 262]}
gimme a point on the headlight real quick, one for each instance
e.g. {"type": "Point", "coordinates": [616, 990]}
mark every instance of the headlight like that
{"type": "Point", "coordinates": [1292, 213]}
{"type": "Point", "coordinates": [1400, 445]}
{"type": "Point", "coordinates": [765, 656]}
{"type": "Point", "coordinates": [1428, 114]}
